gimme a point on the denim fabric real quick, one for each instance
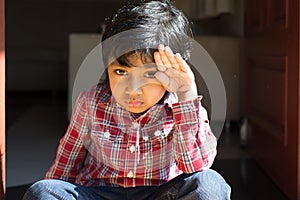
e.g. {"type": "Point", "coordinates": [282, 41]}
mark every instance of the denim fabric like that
{"type": "Point", "coordinates": [205, 185]}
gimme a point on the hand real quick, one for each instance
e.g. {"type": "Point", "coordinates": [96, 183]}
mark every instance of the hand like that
{"type": "Point", "coordinates": [175, 74]}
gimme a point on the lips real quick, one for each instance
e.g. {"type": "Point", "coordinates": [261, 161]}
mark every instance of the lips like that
{"type": "Point", "coordinates": [135, 104]}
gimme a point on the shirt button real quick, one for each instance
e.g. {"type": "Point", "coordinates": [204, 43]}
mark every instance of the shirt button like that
{"type": "Point", "coordinates": [106, 134]}
{"type": "Point", "coordinates": [132, 149]}
{"type": "Point", "coordinates": [157, 133]}
{"type": "Point", "coordinates": [136, 125]}
{"type": "Point", "coordinates": [130, 174]}
{"type": "Point", "coordinates": [146, 138]}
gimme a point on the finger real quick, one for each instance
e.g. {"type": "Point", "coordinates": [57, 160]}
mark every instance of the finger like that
{"type": "Point", "coordinates": [182, 63]}
{"type": "Point", "coordinates": [164, 79]}
{"type": "Point", "coordinates": [171, 58]}
{"type": "Point", "coordinates": [158, 62]}
{"type": "Point", "coordinates": [164, 57]}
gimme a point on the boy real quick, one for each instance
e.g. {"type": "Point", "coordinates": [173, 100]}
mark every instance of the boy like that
{"type": "Point", "coordinates": [141, 133]}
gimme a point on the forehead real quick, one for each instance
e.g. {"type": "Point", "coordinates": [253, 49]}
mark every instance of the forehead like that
{"type": "Point", "coordinates": [136, 59]}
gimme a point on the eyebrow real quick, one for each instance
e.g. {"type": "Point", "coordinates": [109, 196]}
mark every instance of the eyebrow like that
{"type": "Point", "coordinates": [151, 65]}
{"type": "Point", "coordinates": [130, 65]}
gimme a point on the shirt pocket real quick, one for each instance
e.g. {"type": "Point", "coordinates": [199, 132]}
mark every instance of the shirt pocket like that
{"type": "Point", "coordinates": [108, 142]}
{"type": "Point", "coordinates": [156, 137]}
{"type": "Point", "coordinates": [157, 147]}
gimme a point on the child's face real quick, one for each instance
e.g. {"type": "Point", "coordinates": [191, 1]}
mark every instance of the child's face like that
{"type": "Point", "coordinates": [135, 87]}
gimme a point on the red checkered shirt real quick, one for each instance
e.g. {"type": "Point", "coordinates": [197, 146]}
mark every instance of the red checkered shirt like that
{"type": "Point", "coordinates": [105, 145]}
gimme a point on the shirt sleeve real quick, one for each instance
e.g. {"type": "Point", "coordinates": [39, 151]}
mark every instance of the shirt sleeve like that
{"type": "Point", "coordinates": [195, 144]}
{"type": "Point", "coordinates": [71, 151]}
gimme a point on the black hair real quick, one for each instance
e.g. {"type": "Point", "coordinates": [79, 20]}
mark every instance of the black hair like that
{"type": "Point", "coordinates": [141, 27]}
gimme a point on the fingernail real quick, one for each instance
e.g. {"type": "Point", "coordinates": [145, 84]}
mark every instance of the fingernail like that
{"type": "Point", "coordinates": [169, 50]}
{"type": "Point", "coordinates": [161, 47]}
{"type": "Point", "coordinates": [178, 55]}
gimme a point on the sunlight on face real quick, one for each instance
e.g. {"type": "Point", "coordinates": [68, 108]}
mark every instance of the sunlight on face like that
{"type": "Point", "coordinates": [135, 87]}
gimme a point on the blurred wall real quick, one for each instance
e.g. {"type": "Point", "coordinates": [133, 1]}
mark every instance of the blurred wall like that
{"type": "Point", "coordinates": [222, 36]}
{"type": "Point", "coordinates": [37, 39]}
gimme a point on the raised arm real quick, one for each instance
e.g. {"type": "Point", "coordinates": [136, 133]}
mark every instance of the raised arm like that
{"type": "Point", "coordinates": [195, 144]}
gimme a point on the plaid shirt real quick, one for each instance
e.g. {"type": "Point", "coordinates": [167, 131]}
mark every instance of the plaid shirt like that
{"type": "Point", "coordinates": [105, 145]}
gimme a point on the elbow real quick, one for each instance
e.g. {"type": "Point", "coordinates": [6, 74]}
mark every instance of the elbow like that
{"type": "Point", "coordinates": [208, 161]}
{"type": "Point", "coordinates": [198, 164]}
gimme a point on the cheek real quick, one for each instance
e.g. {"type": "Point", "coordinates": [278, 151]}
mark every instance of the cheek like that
{"type": "Point", "coordinates": [112, 84]}
{"type": "Point", "coordinates": [113, 81]}
{"type": "Point", "coordinates": [117, 86]}
{"type": "Point", "coordinates": [155, 93]}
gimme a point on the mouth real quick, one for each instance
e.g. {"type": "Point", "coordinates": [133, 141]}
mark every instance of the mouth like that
{"type": "Point", "coordinates": [134, 104]}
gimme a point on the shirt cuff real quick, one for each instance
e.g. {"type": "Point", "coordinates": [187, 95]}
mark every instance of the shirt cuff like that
{"type": "Point", "coordinates": [187, 111]}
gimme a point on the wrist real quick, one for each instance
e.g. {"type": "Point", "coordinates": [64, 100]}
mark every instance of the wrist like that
{"type": "Point", "coordinates": [189, 94]}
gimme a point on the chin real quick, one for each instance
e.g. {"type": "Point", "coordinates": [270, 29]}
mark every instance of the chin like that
{"type": "Point", "coordinates": [137, 110]}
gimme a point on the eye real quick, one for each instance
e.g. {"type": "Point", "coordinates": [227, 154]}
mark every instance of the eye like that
{"type": "Point", "coordinates": [150, 74]}
{"type": "Point", "coordinates": [121, 72]}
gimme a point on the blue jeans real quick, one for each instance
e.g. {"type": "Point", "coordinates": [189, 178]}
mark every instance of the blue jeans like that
{"type": "Point", "coordinates": [205, 185]}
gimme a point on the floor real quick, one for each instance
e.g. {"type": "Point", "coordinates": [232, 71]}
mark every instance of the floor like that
{"type": "Point", "coordinates": [35, 122]}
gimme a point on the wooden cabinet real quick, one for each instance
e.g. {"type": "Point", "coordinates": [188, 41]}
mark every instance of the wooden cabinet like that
{"type": "Point", "coordinates": [272, 95]}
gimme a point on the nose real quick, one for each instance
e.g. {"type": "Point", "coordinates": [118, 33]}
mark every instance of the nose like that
{"type": "Point", "coordinates": [134, 86]}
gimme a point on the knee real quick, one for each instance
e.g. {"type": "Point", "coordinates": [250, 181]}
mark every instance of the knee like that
{"type": "Point", "coordinates": [209, 177]}
{"type": "Point", "coordinates": [44, 189]}
{"type": "Point", "coordinates": [35, 189]}
{"type": "Point", "coordinates": [213, 184]}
